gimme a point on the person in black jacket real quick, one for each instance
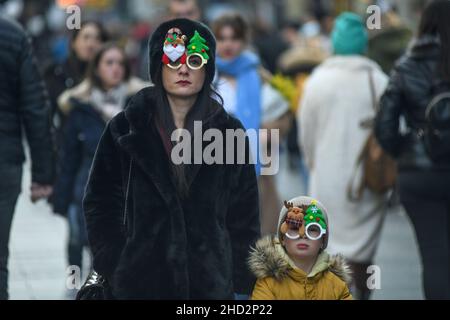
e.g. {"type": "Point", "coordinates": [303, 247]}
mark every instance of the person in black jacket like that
{"type": "Point", "coordinates": [103, 94]}
{"type": "Point", "coordinates": [84, 43]}
{"type": "Point", "coordinates": [161, 230]}
{"type": "Point", "coordinates": [23, 104]}
{"type": "Point", "coordinates": [424, 185]}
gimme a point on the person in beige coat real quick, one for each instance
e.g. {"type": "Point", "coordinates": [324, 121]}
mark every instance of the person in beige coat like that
{"type": "Point", "coordinates": [337, 98]}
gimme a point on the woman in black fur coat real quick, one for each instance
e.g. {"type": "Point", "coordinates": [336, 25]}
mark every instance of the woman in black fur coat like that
{"type": "Point", "coordinates": [160, 230]}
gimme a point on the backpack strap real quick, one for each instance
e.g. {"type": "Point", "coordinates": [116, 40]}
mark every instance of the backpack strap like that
{"type": "Point", "coordinates": [436, 99]}
{"type": "Point", "coordinates": [352, 194]}
{"type": "Point", "coordinates": [373, 94]}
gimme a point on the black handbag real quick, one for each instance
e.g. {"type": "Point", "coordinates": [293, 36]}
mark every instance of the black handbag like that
{"type": "Point", "coordinates": [96, 286]}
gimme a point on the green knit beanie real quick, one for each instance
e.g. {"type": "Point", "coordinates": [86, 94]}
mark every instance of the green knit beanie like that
{"type": "Point", "coordinates": [349, 35]}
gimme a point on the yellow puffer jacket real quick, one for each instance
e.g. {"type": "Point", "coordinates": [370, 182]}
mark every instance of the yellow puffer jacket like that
{"type": "Point", "coordinates": [279, 279]}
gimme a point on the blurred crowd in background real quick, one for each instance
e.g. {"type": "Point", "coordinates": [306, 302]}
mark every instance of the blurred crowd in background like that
{"type": "Point", "coordinates": [275, 25]}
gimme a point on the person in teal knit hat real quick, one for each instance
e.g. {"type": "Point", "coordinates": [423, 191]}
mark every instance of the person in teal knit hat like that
{"type": "Point", "coordinates": [338, 97]}
{"type": "Point", "coordinates": [349, 35]}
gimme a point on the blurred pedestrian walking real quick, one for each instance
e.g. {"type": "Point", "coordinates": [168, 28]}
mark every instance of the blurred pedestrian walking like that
{"type": "Point", "coordinates": [413, 125]}
{"type": "Point", "coordinates": [83, 45]}
{"type": "Point", "coordinates": [248, 95]}
{"type": "Point", "coordinates": [388, 43]}
{"type": "Point", "coordinates": [90, 105]}
{"type": "Point", "coordinates": [188, 9]}
{"type": "Point", "coordinates": [337, 98]}
{"type": "Point", "coordinates": [23, 105]}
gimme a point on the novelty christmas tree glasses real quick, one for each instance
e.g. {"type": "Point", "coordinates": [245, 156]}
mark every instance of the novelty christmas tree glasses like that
{"type": "Point", "coordinates": [175, 53]}
{"type": "Point", "coordinates": [298, 222]}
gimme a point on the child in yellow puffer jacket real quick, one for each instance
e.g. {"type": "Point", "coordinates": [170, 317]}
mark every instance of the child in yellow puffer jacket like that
{"type": "Point", "coordinates": [294, 264]}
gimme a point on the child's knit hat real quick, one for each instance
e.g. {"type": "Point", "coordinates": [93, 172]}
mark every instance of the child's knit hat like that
{"type": "Point", "coordinates": [307, 201]}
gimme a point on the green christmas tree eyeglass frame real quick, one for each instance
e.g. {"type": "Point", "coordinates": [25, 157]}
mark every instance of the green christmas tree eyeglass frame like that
{"type": "Point", "coordinates": [316, 226]}
{"type": "Point", "coordinates": [196, 56]}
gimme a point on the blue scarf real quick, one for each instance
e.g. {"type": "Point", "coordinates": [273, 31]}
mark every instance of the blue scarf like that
{"type": "Point", "coordinates": [248, 94]}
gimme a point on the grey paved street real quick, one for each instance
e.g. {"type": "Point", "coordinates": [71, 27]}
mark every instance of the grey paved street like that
{"type": "Point", "coordinates": [37, 259]}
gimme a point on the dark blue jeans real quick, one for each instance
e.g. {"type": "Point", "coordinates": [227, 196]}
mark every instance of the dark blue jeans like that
{"type": "Point", "coordinates": [426, 198]}
{"type": "Point", "coordinates": [77, 235]}
{"type": "Point", "coordinates": [10, 187]}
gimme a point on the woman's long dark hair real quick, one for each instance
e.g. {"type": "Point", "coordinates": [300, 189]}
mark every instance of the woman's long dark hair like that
{"type": "Point", "coordinates": [79, 67]}
{"type": "Point", "coordinates": [92, 75]}
{"type": "Point", "coordinates": [104, 36]}
{"type": "Point", "coordinates": [435, 21]}
{"type": "Point", "coordinates": [233, 20]}
{"type": "Point", "coordinates": [204, 105]}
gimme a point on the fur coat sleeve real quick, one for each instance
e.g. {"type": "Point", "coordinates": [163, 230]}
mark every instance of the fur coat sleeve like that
{"type": "Point", "coordinates": [243, 225]}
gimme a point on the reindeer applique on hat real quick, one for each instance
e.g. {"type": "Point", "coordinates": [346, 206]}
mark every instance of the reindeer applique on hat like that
{"type": "Point", "coordinates": [303, 220]}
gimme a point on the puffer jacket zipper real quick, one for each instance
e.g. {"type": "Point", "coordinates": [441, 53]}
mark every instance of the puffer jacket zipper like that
{"type": "Point", "coordinates": [306, 291]}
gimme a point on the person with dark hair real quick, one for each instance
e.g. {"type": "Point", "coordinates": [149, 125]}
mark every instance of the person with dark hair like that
{"type": "Point", "coordinates": [389, 43]}
{"type": "Point", "coordinates": [421, 75]}
{"type": "Point", "coordinates": [270, 43]}
{"type": "Point", "coordinates": [60, 77]}
{"type": "Point", "coordinates": [24, 109]}
{"type": "Point", "coordinates": [175, 9]}
{"type": "Point", "coordinates": [290, 33]}
{"type": "Point", "coordinates": [160, 229]}
{"type": "Point", "coordinates": [103, 94]}
{"type": "Point", "coordinates": [248, 94]}
{"type": "Point", "coordinates": [84, 43]}
{"type": "Point", "coordinates": [188, 9]}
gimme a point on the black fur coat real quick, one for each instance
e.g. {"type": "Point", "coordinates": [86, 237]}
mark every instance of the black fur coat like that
{"type": "Point", "coordinates": [164, 247]}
